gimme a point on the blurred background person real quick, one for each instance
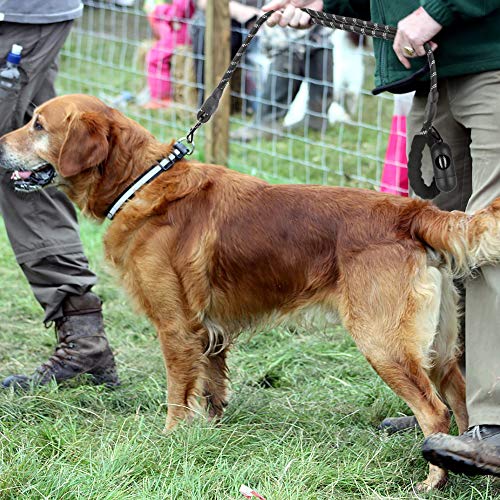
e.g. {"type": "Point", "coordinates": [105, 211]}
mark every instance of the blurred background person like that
{"type": "Point", "coordinates": [243, 14]}
{"type": "Point", "coordinates": [296, 56]}
{"type": "Point", "coordinates": [170, 30]}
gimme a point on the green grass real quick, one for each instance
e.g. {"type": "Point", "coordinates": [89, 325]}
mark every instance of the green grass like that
{"type": "Point", "coordinates": [302, 419]}
{"type": "Point", "coordinates": [301, 423]}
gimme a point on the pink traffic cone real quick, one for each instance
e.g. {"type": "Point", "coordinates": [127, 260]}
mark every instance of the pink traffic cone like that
{"type": "Point", "coordinates": [395, 173]}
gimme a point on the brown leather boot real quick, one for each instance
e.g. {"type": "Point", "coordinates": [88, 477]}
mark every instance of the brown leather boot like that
{"type": "Point", "coordinates": [82, 347]}
{"type": "Point", "coordinates": [475, 452]}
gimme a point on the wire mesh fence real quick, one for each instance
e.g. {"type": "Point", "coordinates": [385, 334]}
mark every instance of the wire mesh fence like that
{"type": "Point", "coordinates": [301, 104]}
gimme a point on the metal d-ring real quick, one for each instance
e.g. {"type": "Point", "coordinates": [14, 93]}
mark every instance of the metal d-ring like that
{"type": "Point", "coordinates": [188, 140]}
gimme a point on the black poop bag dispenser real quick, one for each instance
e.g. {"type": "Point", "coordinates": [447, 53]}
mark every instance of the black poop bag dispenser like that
{"type": "Point", "coordinates": [445, 177]}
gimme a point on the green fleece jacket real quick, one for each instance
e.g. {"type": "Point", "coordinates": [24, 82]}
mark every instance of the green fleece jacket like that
{"type": "Point", "coordinates": [469, 42]}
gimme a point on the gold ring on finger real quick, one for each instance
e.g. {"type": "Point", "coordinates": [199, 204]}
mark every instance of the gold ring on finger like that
{"type": "Point", "coordinates": [408, 51]}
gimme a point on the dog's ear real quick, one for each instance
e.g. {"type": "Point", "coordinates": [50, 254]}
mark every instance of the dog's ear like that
{"type": "Point", "coordinates": [86, 143]}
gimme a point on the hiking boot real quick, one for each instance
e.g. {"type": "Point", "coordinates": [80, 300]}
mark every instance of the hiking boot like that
{"type": "Point", "coordinates": [475, 452]}
{"type": "Point", "coordinates": [82, 347]}
{"type": "Point", "coordinates": [398, 424]}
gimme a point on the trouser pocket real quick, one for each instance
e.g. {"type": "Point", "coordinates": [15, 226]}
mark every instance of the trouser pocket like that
{"type": "Point", "coordinates": [8, 103]}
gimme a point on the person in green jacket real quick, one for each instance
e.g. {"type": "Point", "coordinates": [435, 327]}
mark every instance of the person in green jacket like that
{"type": "Point", "coordinates": [464, 35]}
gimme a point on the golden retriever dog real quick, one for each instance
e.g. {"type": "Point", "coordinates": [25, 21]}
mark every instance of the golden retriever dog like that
{"type": "Point", "coordinates": [207, 252]}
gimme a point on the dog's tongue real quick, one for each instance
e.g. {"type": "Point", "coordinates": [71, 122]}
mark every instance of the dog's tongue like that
{"type": "Point", "coordinates": [20, 174]}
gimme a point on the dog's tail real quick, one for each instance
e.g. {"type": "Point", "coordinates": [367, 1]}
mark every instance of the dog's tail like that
{"type": "Point", "coordinates": [466, 241]}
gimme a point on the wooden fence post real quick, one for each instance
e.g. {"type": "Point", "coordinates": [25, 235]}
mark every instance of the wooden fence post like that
{"type": "Point", "coordinates": [217, 57]}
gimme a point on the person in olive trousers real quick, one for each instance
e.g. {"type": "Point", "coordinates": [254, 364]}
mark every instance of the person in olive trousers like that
{"type": "Point", "coordinates": [42, 227]}
{"type": "Point", "coordinates": [464, 35]}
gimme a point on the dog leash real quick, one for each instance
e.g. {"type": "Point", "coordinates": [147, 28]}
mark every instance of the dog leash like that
{"type": "Point", "coordinates": [445, 178]}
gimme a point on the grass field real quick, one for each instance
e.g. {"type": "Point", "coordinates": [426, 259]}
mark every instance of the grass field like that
{"type": "Point", "coordinates": [302, 419]}
{"type": "Point", "coordinates": [300, 424]}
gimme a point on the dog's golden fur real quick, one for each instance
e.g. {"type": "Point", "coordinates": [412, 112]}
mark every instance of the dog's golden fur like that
{"type": "Point", "coordinates": [207, 252]}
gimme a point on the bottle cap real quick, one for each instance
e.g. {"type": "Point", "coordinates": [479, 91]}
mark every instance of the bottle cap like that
{"type": "Point", "coordinates": [16, 49]}
{"type": "Point", "coordinates": [14, 56]}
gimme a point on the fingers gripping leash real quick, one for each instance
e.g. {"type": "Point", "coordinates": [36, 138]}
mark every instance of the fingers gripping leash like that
{"type": "Point", "coordinates": [445, 178]}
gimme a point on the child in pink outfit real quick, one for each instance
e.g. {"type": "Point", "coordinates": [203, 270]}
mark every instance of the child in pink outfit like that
{"type": "Point", "coordinates": [170, 31]}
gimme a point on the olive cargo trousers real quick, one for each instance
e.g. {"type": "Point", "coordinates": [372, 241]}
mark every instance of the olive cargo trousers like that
{"type": "Point", "coordinates": [468, 118]}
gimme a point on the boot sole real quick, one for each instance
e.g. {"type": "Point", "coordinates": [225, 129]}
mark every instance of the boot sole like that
{"type": "Point", "coordinates": [105, 379]}
{"type": "Point", "coordinates": [459, 463]}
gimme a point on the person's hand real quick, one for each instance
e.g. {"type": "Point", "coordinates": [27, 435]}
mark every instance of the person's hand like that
{"type": "Point", "coordinates": [413, 31]}
{"type": "Point", "coordinates": [289, 13]}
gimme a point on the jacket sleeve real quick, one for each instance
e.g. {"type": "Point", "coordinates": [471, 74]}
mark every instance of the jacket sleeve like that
{"type": "Point", "coordinates": [348, 8]}
{"type": "Point", "coordinates": [446, 11]}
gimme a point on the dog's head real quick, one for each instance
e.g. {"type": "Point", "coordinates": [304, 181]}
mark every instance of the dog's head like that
{"type": "Point", "coordinates": [67, 135]}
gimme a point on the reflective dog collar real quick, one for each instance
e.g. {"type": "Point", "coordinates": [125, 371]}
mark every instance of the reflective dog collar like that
{"type": "Point", "coordinates": [179, 151]}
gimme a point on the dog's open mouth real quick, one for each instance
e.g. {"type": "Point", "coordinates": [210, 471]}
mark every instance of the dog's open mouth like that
{"type": "Point", "coordinates": [27, 181]}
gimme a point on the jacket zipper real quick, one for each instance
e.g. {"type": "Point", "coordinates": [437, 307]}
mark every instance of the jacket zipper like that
{"type": "Point", "coordinates": [382, 51]}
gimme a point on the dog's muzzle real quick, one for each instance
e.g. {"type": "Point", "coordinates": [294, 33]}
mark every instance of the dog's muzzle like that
{"type": "Point", "coordinates": [28, 181]}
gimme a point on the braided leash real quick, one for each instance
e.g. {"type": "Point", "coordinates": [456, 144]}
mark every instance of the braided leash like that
{"type": "Point", "coordinates": [444, 170]}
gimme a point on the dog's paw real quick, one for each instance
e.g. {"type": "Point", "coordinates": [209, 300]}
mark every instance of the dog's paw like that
{"type": "Point", "coordinates": [436, 479]}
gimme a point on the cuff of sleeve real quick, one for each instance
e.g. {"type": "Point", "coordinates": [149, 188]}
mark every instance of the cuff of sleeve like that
{"type": "Point", "coordinates": [439, 11]}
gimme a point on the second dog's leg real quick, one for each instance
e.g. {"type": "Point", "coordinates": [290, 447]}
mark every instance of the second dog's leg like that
{"type": "Point", "coordinates": [451, 386]}
{"type": "Point", "coordinates": [215, 384]}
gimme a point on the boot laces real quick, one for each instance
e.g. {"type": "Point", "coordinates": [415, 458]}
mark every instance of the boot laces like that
{"type": "Point", "coordinates": [476, 433]}
{"type": "Point", "coordinates": [60, 355]}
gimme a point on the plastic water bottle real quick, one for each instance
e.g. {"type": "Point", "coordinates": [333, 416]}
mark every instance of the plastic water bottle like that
{"type": "Point", "coordinates": [10, 85]}
{"type": "Point", "coordinates": [9, 73]}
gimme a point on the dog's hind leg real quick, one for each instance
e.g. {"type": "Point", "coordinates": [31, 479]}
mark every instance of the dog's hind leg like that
{"type": "Point", "coordinates": [403, 373]}
{"type": "Point", "coordinates": [445, 372]}
{"type": "Point", "coordinates": [183, 353]}
{"type": "Point", "coordinates": [393, 318]}
{"type": "Point", "coordinates": [451, 386]}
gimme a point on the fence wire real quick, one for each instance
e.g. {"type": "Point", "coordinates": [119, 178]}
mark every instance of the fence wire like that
{"type": "Point", "coordinates": [301, 106]}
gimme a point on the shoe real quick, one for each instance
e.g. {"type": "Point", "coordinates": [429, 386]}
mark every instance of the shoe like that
{"type": "Point", "coordinates": [125, 3]}
{"type": "Point", "coordinates": [82, 348]}
{"type": "Point", "coordinates": [392, 425]}
{"type": "Point", "coordinates": [475, 452]}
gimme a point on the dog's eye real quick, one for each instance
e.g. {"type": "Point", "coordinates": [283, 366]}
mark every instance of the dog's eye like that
{"type": "Point", "coordinates": [37, 125]}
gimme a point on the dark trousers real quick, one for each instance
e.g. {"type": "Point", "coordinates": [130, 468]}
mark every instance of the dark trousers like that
{"type": "Point", "coordinates": [42, 227]}
{"type": "Point", "coordinates": [287, 72]}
